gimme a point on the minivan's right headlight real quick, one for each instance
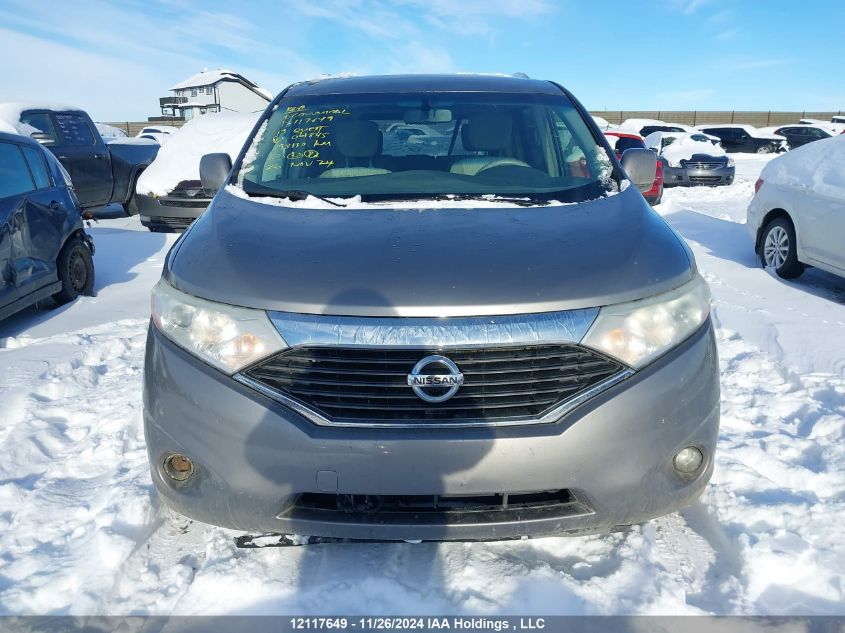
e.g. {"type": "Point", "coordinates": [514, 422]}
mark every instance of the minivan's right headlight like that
{"type": "Point", "coordinates": [639, 331]}
{"type": "Point", "coordinates": [225, 336]}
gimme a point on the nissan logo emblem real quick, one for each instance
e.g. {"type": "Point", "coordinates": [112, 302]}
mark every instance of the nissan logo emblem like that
{"type": "Point", "coordinates": [435, 386]}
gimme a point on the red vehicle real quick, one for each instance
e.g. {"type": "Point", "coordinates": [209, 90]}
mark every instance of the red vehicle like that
{"type": "Point", "coordinates": [620, 141]}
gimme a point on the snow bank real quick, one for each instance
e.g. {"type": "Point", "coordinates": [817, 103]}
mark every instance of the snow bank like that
{"type": "Point", "coordinates": [683, 146]}
{"type": "Point", "coordinates": [819, 166]}
{"type": "Point", "coordinates": [180, 159]}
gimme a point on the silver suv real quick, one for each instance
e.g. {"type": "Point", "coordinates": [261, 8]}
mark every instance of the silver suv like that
{"type": "Point", "coordinates": [488, 334]}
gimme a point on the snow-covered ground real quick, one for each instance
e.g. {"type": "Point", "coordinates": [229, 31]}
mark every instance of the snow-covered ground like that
{"type": "Point", "coordinates": [82, 532]}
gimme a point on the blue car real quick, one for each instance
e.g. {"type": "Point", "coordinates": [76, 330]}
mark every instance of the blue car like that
{"type": "Point", "coordinates": [44, 249]}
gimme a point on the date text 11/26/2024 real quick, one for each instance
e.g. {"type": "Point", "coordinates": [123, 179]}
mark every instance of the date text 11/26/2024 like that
{"type": "Point", "coordinates": [454, 623]}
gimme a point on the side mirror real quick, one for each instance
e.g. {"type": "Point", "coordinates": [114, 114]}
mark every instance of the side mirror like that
{"type": "Point", "coordinates": [214, 170]}
{"type": "Point", "coordinates": [43, 138]}
{"type": "Point", "coordinates": [641, 167]}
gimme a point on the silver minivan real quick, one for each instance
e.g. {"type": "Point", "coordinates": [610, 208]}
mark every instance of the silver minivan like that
{"type": "Point", "coordinates": [485, 335]}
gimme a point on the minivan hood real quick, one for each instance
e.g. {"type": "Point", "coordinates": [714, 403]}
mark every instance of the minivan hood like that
{"type": "Point", "coordinates": [434, 262]}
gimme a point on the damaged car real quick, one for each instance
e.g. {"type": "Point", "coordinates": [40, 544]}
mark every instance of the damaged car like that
{"type": "Point", "coordinates": [44, 250]}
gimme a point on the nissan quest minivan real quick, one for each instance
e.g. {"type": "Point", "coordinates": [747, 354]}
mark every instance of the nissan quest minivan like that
{"type": "Point", "coordinates": [429, 308]}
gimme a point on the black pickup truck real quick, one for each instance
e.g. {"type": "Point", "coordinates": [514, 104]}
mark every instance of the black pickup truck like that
{"type": "Point", "coordinates": [102, 173]}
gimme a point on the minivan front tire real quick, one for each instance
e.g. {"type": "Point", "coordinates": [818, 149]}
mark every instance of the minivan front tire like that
{"type": "Point", "coordinates": [778, 249]}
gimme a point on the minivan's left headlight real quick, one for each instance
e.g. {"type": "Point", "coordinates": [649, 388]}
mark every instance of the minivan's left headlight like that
{"type": "Point", "coordinates": [225, 336]}
{"type": "Point", "coordinates": [639, 331]}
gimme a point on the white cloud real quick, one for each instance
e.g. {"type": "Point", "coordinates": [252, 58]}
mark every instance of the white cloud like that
{"type": "Point", "coordinates": [127, 56]}
{"type": "Point", "coordinates": [688, 7]}
{"type": "Point", "coordinates": [728, 34]}
{"type": "Point", "coordinates": [407, 18]}
{"type": "Point", "coordinates": [55, 72]}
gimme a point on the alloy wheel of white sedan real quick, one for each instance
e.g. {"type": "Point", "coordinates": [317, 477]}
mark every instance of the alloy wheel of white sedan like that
{"type": "Point", "coordinates": [776, 247]}
{"type": "Point", "coordinates": [779, 249]}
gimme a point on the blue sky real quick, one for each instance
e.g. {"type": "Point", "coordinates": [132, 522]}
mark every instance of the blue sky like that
{"type": "Point", "coordinates": [116, 58]}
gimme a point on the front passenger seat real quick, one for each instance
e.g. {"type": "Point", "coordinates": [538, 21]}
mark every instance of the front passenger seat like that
{"type": "Point", "coordinates": [489, 132]}
{"type": "Point", "coordinates": [356, 139]}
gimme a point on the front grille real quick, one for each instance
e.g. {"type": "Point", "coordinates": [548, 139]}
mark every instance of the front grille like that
{"type": "Point", "coordinates": [703, 164]}
{"type": "Point", "coordinates": [435, 509]}
{"type": "Point", "coordinates": [199, 203]}
{"type": "Point", "coordinates": [173, 223]}
{"type": "Point", "coordinates": [354, 384]}
{"type": "Point", "coordinates": [706, 180]}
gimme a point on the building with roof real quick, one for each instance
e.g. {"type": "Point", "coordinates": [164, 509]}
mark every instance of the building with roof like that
{"type": "Point", "coordinates": [218, 90]}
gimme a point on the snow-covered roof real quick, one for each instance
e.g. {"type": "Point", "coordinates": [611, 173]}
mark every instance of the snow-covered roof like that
{"type": "Point", "coordinates": [752, 131]}
{"type": "Point", "coordinates": [683, 146]}
{"type": "Point", "coordinates": [836, 128]}
{"type": "Point", "coordinates": [638, 124]}
{"type": "Point", "coordinates": [10, 113]}
{"type": "Point", "coordinates": [109, 131]}
{"type": "Point", "coordinates": [814, 126]}
{"type": "Point", "coordinates": [164, 129]}
{"type": "Point", "coordinates": [211, 77]}
{"type": "Point", "coordinates": [819, 166]}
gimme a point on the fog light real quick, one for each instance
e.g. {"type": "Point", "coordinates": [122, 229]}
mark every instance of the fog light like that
{"type": "Point", "coordinates": [688, 460]}
{"type": "Point", "coordinates": [178, 467]}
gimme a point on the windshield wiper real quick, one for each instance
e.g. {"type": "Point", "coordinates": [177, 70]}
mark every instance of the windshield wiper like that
{"type": "Point", "coordinates": [300, 194]}
{"type": "Point", "coordinates": [292, 194]}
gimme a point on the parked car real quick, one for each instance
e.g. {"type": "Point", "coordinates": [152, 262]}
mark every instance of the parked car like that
{"type": "Point", "coordinates": [170, 195]}
{"type": "Point", "coordinates": [621, 141]}
{"type": "Point", "coordinates": [425, 138]}
{"type": "Point", "coordinates": [110, 132]}
{"type": "Point", "coordinates": [158, 133]}
{"type": "Point", "coordinates": [800, 134]}
{"type": "Point", "coordinates": [44, 250]}
{"type": "Point", "coordinates": [101, 173]}
{"type": "Point", "coordinates": [644, 127]}
{"type": "Point", "coordinates": [745, 138]}
{"type": "Point", "coordinates": [691, 159]}
{"type": "Point", "coordinates": [838, 118]}
{"type": "Point", "coordinates": [797, 214]}
{"type": "Point", "coordinates": [504, 341]}
{"type": "Point", "coordinates": [833, 126]}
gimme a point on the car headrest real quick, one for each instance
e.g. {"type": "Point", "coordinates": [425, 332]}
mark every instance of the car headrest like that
{"type": "Point", "coordinates": [357, 139]}
{"type": "Point", "coordinates": [487, 132]}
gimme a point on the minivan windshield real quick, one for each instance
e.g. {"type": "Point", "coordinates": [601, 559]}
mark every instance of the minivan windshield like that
{"type": "Point", "coordinates": [427, 145]}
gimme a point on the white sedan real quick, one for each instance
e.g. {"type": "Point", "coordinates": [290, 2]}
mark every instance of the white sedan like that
{"type": "Point", "coordinates": [797, 215]}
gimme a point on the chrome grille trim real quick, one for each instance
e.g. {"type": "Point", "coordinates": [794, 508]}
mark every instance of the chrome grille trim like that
{"type": "Point", "coordinates": [545, 327]}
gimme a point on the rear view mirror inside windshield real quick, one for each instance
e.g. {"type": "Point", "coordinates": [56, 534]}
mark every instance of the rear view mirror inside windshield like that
{"type": "Point", "coordinates": [432, 115]}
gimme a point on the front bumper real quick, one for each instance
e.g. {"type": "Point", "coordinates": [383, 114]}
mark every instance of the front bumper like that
{"type": "Point", "coordinates": [689, 177]}
{"type": "Point", "coordinates": [170, 213]}
{"type": "Point", "coordinates": [254, 457]}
